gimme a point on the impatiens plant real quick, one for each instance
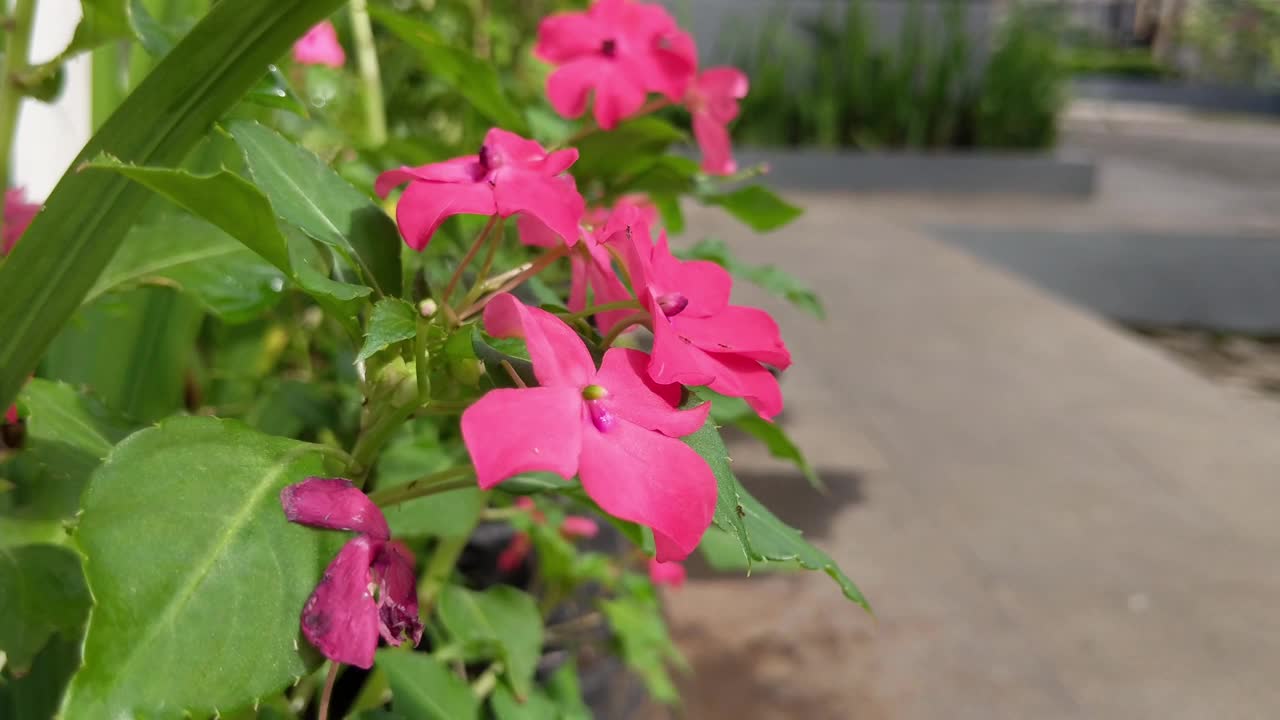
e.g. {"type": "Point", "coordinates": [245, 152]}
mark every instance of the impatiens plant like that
{"type": "Point", "coordinates": [374, 382]}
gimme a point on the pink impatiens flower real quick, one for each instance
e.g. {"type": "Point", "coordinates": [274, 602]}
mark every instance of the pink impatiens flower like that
{"type": "Point", "coordinates": [713, 101]}
{"type": "Point", "coordinates": [342, 618]}
{"type": "Point", "coordinates": [572, 527]}
{"type": "Point", "coordinates": [698, 337]}
{"type": "Point", "coordinates": [622, 50]}
{"type": "Point", "coordinates": [320, 46]}
{"type": "Point", "coordinates": [671, 574]}
{"type": "Point", "coordinates": [612, 427]}
{"type": "Point", "coordinates": [510, 175]}
{"type": "Point", "coordinates": [18, 214]}
{"type": "Point", "coordinates": [11, 415]}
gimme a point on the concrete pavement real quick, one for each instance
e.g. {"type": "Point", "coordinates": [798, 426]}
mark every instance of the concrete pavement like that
{"type": "Point", "coordinates": [1052, 518]}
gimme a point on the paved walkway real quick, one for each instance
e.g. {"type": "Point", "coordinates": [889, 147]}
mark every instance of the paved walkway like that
{"type": "Point", "coordinates": [1052, 518]}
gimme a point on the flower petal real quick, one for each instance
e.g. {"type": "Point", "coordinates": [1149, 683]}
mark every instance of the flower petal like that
{"type": "Point", "coordinates": [340, 618]}
{"type": "Point", "coordinates": [737, 376]}
{"type": "Point", "coordinates": [676, 361]}
{"type": "Point", "coordinates": [553, 200]}
{"type": "Point", "coordinates": [704, 284]}
{"type": "Point", "coordinates": [720, 89]}
{"type": "Point", "coordinates": [334, 504]}
{"type": "Point", "coordinates": [650, 479]}
{"type": "Point", "coordinates": [513, 555]}
{"type": "Point", "coordinates": [578, 526]}
{"type": "Point", "coordinates": [508, 432]}
{"type": "Point", "coordinates": [635, 397]}
{"type": "Point", "coordinates": [560, 359]}
{"type": "Point", "coordinates": [425, 205]}
{"type": "Point", "coordinates": [569, 87]}
{"type": "Point", "coordinates": [320, 46]}
{"type": "Point", "coordinates": [458, 170]}
{"type": "Point", "coordinates": [618, 96]}
{"type": "Point", "coordinates": [713, 141]}
{"type": "Point", "coordinates": [398, 595]}
{"type": "Point", "coordinates": [565, 36]}
{"type": "Point", "coordinates": [671, 574]}
{"type": "Point", "coordinates": [745, 331]}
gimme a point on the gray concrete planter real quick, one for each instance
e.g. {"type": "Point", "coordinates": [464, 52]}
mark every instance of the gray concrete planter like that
{"type": "Point", "coordinates": [958, 172]}
{"type": "Point", "coordinates": [1190, 95]}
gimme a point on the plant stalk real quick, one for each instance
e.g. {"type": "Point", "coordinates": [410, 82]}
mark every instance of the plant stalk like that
{"type": "Point", "coordinates": [15, 64]}
{"type": "Point", "coordinates": [623, 325]}
{"type": "Point", "coordinates": [537, 267]}
{"type": "Point", "coordinates": [370, 75]}
{"type": "Point", "coordinates": [454, 478]}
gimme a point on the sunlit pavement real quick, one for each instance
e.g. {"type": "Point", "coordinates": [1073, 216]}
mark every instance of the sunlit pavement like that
{"type": "Point", "coordinates": [1051, 518]}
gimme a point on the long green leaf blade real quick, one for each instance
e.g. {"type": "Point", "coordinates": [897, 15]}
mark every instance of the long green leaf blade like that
{"type": "Point", "coordinates": [87, 216]}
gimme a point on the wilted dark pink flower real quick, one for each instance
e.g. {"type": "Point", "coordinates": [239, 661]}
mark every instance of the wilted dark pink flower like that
{"type": "Point", "coordinates": [320, 46]}
{"type": "Point", "coordinates": [713, 101]}
{"type": "Point", "coordinates": [343, 619]}
{"type": "Point", "coordinates": [619, 49]}
{"type": "Point", "coordinates": [613, 428]}
{"type": "Point", "coordinates": [698, 337]}
{"type": "Point", "coordinates": [18, 214]}
{"type": "Point", "coordinates": [510, 175]}
{"type": "Point", "coordinates": [671, 574]}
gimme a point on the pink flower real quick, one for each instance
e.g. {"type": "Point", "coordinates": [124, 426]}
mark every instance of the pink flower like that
{"type": "Point", "coordinates": [671, 574]}
{"type": "Point", "coordinates": [510, 175]}
{"type": "Point", "coordinates": [578, 526]}
{"type": "Point", "coordinates": [342, 619]}
{"type": "Point", "coordinates": [698, 337]}
{"type": "Point", "coordinates": [622, 50]}
{"type": "Point", "coordinates": [512, 556]}
{"type": "Point", "coordinates": [11, 415]}
{"type": "Point", "coordinates": [612, 427]}
{"type": "Point", "coordinates": [320, 46]}
{"type": "Point", "coordinates": [18, 214]}
{"type": "Point", "coordinates": [713, 100]}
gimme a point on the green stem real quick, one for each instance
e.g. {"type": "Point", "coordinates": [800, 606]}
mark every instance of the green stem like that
{"type": "Point", "coordinates": [538, 266]}
{"type": "Point", "coordinates": [454, 478]}
{"type": "Point", "coordinates": [483, 274]}
{"type": "Point", "coordinates": [422, 359]}
{"type": "Point", "coordinates": [597, 309]}
{"type": "Point", "coordinates": [15, 64]}
{"type": "Point", "coordinates": [466, 260]}
{"type": "Point", "coordinates": [623, 324]}
{"type": "Point", "coordinates": [372, 439]}
{"type": "Point", "coordinates": [370, 75]}
{"type": "Point", "coordinates": [487, 681]}
{"type": "Point", "coordinates": [327, 695]}
{"type": "Point", "coordinates": [439, 568]}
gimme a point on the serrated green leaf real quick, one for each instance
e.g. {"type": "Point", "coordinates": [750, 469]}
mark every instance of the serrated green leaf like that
{"type": "Point", "coordinates": [198, 259]}
{"type": "Point", "coordinates": [310, 195]}
{"type": "Point", "coordinates": [393, 320]}
{"type": "Point", "coordinates": [501, 617]}
{"type": "Point", "coordinates": [537, 706]}
{"type": "Point", "coordinates": [196, 575]}
{"type": "Point", "coordinates": [767, 277]}
{"type": "Point", "coordinates": [708, 444]}
{"type": "Point", "coordinates": [41, 592]}
{"type": "Point", "coordinates": [757, 206]}
{"type": "Point", "coordinates": [423, 689]}
{"type": "Point", "coordinates": [602, 152]}
{"type": "Point", "coordinates": [474, 79]}
{"type": "Point", "coordinates": [736, 412]}
{"type": "Point", "coordinates": [241, 210]}
{"type": "Point", "coordinates": [87, 215]}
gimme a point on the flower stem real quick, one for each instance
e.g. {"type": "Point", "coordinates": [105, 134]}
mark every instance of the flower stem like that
{"type": "Point", "coordinates": [373, 438]}
{"type": "Point", "coordinates": [466, 260]}
{"type": "Point", "coordinates": [370, 75]}
{"type": "Point", "coordinates": [537, 267]}
{"type": "Point", "coordinates": [327, 694]}
{"type": "Point", "coordinates": [454, 478]}
{"type": "Point", "coordinates": [597, 309]}
{"type": "Point", "coordinates": [16, 48]}
{"type": "Point", "coordinates": [439, 568]}
{"type": "Point", "coordinates": [487, 681]}
{"type": "Point", "coordinates": [478, 288]}
{"type": "Point", "coordinates": [623, 325]}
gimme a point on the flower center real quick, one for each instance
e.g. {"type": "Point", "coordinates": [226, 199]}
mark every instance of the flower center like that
{"type": "Point", "coordinates": [600, 415]}
{"type": "Point", "coordinates": [609, 48]}
{"type": "Point", "coordinates": [672, 304]}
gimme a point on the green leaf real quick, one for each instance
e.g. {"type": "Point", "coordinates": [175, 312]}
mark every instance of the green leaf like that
{"type": "Point", "coordinates": [707, 443]}
{"type": "Point", "coordinates": [87, 215]}
{"type": "Point", "coordinates": [735, 411]}
{"type": "Point", "coordinates": [36, 694]}
{"type": "Point", "coordinates": [501, 617]}
{"type": "Point", "coordinates": [767, 277]}
{"type": "Point", "coordinates": [566, 689]}
{"type": "Point", "coordinates": [154, 37]}
{"type": "Point", "coordinates": [602, 152]}
{"type": "Point", "coordinates": [241, 210]}
{"type": "Point", "coordinates": [275, 91]}
{"type": "Point", "coordinates": [101, 21]}
{"type": "Point", "coordinates": [198, 259]}
{"type": "Point", "coordinates": [41, 592]}
{"type": "Point", "coordinates": [756, 206]}
{"type": "Point", "coordinates": [131, 350]}
{"type": "Point", "coordinates": [417, 453]}
{"type": "Point", "coordinates": [307, 193]}
{"type": "Point", "coordinates": [636, 620]}
{"type": "Point", "coordinates": [68, 435]}
{"type": "Point", "coordinates": [423, 689]}
{"type": "Point", "coordinates": [535, 707]}
{"type": "Point", "coordinates": [474, 79]}
{"type": "Point", "coordinates": [393, 320]}
{"type": "Point", "coordinates": [196, 575]}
